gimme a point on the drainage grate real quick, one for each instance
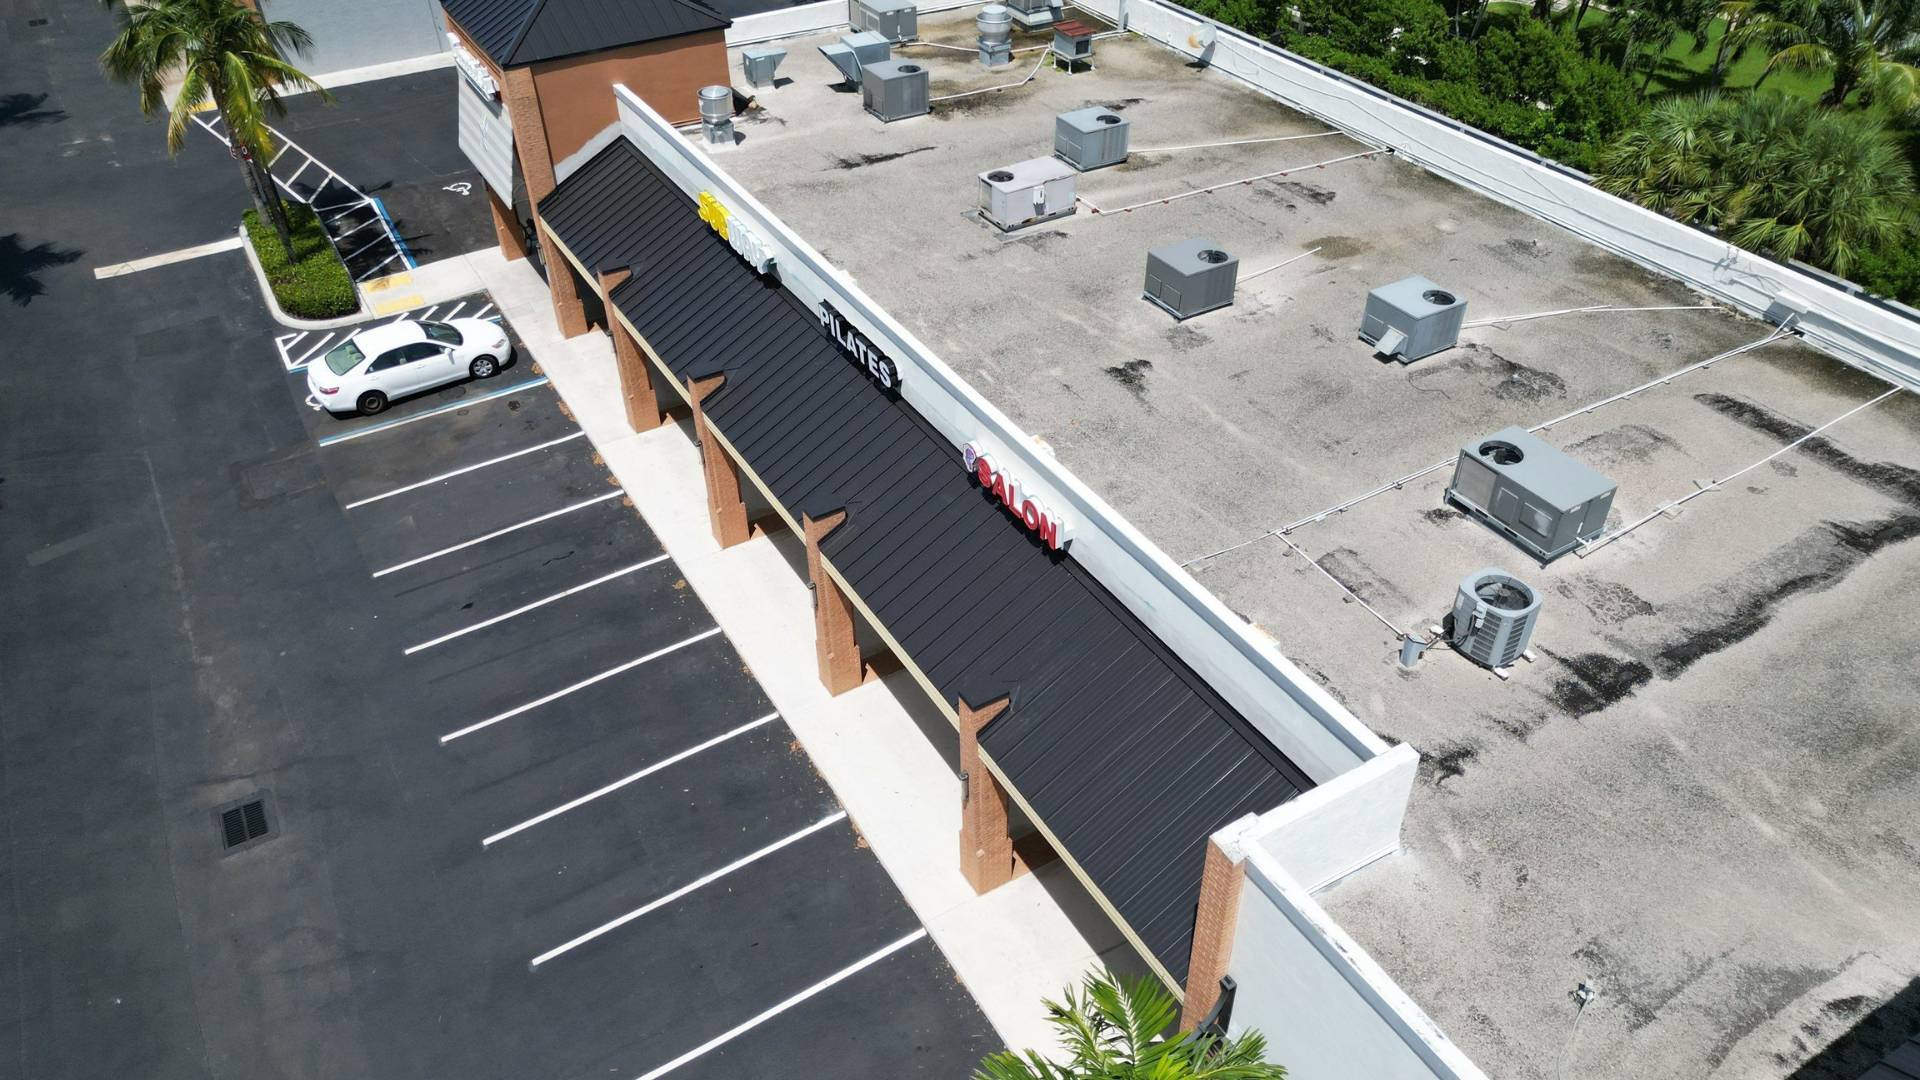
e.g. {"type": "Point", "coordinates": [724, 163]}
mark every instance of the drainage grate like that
{"type": "Point", "coordinates": [244, 822]}
{"type": "Point", "coordinates": [36, 22]}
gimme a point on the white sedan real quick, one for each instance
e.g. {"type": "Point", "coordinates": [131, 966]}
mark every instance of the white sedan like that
{"type": "Point", "coordinates": [384, 363]}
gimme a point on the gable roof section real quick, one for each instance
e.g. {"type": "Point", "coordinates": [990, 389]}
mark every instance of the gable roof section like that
{"type": "Point", "coordinates": [517, 32]}
{"type": "Point", "coordinates": [1125, 754]}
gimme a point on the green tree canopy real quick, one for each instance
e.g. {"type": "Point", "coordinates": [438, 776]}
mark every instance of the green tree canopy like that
{"type": "Point", "coordinates": [1111, 1031]}
{"type": "Point", "coordinates": [1869, 45]}
{"type": "Point", "coordinates": [1774, 174]}
{"type": "Point", "coordinates": [225, 55]}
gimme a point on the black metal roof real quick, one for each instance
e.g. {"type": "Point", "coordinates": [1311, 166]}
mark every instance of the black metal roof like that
{"type": "Point", "coordinates": [1125, 754]}
{"type": "Point", "coordinates": [516, 32]}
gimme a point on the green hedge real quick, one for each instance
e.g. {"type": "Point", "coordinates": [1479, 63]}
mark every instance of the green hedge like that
{"type": "Point", "coordinates": [315, 284]}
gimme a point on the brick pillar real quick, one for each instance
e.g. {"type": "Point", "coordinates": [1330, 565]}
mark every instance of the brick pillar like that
{"type": "Point", "coordinates": [529, 133]}
{"type": "Point", "coordinates": [1213, 922]}
{"type": "Point", "coordinates": [726, 509]}
{"type": "Point", "coordinates": [636, 381]}
{"type": "Point", "coordinates": [506, 228]}
{"type": "Point", "coordinates": [568, 311]}
{"type": "Point", "coordinates": [834, 640]}
{"type": "Point", "coordinates": [986, 844]}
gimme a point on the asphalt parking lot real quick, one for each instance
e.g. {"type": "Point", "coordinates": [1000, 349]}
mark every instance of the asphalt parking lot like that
{"type": "Point", "coordinates": [655, 878]}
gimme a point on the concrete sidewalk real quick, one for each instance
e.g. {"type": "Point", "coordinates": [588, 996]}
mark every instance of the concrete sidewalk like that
{"type": "Point", "coordinates": [886, 751]}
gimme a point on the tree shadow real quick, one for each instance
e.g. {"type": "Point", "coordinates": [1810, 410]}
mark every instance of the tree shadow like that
{"type": "Point", "coordinates": [20, 267]}
{"type": "Point", "coordinates": [26, 109]}
{"type": "Point", "coordinates": [1872, 1037]}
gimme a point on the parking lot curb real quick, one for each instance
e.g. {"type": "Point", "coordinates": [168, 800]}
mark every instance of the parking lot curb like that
{"type": "Point", "coordinates": [266, 292]}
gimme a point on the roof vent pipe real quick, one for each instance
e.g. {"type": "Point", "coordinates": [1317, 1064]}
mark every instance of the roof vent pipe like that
{"type": "Point", "coordinates": [716, 114]}
{"type": "Point", "coordinates": [995, 24]}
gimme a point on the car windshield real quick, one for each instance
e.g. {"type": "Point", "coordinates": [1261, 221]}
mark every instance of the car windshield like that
{"type": "Point", "coordinates": [441, 332]}
{"type": "Point", "coordinates": [343, 357]}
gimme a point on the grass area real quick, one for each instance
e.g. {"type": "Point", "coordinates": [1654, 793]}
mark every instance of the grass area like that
{"type": "Point", "coordinates": [314, 284]}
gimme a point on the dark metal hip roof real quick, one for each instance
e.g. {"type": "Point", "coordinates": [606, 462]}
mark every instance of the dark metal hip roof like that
{"type": "Point", "coordinates": [516, 32]}
{"type": "Point", "coordinates": [1129, 759]}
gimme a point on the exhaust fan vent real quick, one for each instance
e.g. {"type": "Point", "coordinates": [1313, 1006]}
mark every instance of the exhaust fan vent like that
{"type": "Point", "coordinates": [1493, 617]}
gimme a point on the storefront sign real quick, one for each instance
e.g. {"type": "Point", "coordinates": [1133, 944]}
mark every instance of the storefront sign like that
{"type": "Point", "coordinates": [745, 242]}
{"type": "Point", "coordinates": [1012, 494]}
{"type": "Point", "coordinates": [470, 66]}
{"type": "Point", "coordinates": [864, 354]}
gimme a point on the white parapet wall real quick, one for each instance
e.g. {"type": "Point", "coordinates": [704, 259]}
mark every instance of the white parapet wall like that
{"type": "Point", "coordinates": [1342, 825]}
{"type": "Point", "coordinates": [1327, 1010]}
{"type": "Point", "coordinates": [1879, 337]}
{"type": "Point", "coordinates": [1243, 666]}
{"type": "Point", "coordinates": [787, 22]}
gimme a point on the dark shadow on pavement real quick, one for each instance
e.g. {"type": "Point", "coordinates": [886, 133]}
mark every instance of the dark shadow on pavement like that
{"type": "Point", "coordinates": [20, 267]}
{"type": "Point", "coordinates": [25, 109]}
{"type": "Point", "coordinates": [1872, 1037]}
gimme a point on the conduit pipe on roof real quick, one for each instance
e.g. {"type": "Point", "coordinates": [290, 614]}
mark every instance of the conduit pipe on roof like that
{"type": "Point", "coordinates": [1031, 75]}
{"type": "Point", "coordinates": [1715, 485]}
{"type": "Point", "coordinates": [1395, 485]}
{"type": "Point", "coordinates": [1384, 621]}
{"type": "Point", "coordinates": [1283, 262]}
{"type": "Point", "coordinates": [1590, 308]}
{"type": "Point", "coordinates": [1232, 142]}
{"type": "Point", "coordinates": [1230, 183]}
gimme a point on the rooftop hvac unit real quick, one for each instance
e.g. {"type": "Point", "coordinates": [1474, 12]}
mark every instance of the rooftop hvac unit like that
{"type": "Point", "coordinates": [759, 63]}
{"type": "Point", "coordinates": [1073, 42]}
{"type": "Point", "coordinates": [1493, 617]}
{"type": "Point", "coordinates": [895, 20]}
{"type": "Point", "coordinates": [853, 52]}
{"type": "Point", "coordinates": [1542, 499]}
{"type": "Point", "coordinates": [1191, 277]}
{"type": "Point", "coordinates": [1035, 14]}
{"type": "Point", "coordinates": [895, 89]}
{"type": "Point", "coordinates": [1090, 138]}
{"type": "Point", "coordinates": [1031, 191]}
{"type": "Point", "coordinates": [1412, 318]}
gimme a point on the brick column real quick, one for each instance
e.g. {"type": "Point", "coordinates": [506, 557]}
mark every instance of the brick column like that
{"type": "Point", "coordinates": [636, 380]}
{"type": "Point", "coordinates": [529, 133]}
{"type": "Point", "coordinates": [726, 509]}
{"type": "Point", "coordinates": [1221, 878]}
{"type": "Point", "coordinates": [986, 844]}
{"type": "Point", "coordinates": [834, 641]}
{"type": "Point", "coordinates": [506, 228]}
{"type": "Point", "coordinates": [568, 311]}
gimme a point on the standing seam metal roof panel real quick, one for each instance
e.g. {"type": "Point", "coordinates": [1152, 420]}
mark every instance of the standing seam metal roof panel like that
{"type": "Point", "coordinates": [518, 32]}
{"type": "Point", "coordinates": [1125, 754]}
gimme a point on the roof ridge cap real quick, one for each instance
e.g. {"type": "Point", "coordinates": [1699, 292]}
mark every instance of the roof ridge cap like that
{"type": "Point", "coordinates": [520, 36]}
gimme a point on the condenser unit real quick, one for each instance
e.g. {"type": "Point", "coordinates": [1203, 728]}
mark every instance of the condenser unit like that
{"type": "Point", "coordinates": [895, 20]}
{"type": "Point", "coordinates": [895, 89]}
{"type": "Point", "coordinates": [1090, 138]}
{"type": "Point", "coordinates": [1542, 499]}
{"type": "Point", "coordinates": [1411, 318]}
{"type": "Point", "coordinates": [1034, 14]}
{"type": "Point", "coordinates": [1027, 192]}
{"type": "Point", "coordinates": [1191, 277]}
{"type": "Point", "coordinates": [853, 52]}
{"type": "Point", "coordinates": [1493, 617]}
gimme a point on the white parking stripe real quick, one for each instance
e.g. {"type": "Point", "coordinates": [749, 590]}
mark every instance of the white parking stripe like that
{"type": "Point", "coordinates": [823, 985]}
{"type": "Point", "coordinates": [625, 780]}
{"type": "Point", "coordinates": [307, 357]}
{"type": "Point", "coordinates": [498, 533]}
{"type": "Point", "coordinates": [482, 313]}
{"type": "Point", "coordinates": [455, 311]}
{"type": "Point", "coordinates": [463, 470]}
{"type": "Point", "coordinates": [581, 685]}
{"type": "Point", "coordinates": [428, 414]}
{"type": "Point", "coordinates": [524, 608]}
{"type": "Point", "coordinates": [534, 964]}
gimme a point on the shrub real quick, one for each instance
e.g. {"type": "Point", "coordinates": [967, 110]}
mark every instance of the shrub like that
{"type": "Point", "coordinates": [315, 284]}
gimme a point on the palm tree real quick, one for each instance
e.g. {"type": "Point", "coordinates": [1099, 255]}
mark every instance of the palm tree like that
{"type": "Point", "coordinates": [227, 55]}
{"type": "Point", "coordinates": [1111, 1030]}
{"type": "Point", "coordinates": [1771, 173]}
{"type": "Point", "coordinates": [1868, 45]}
